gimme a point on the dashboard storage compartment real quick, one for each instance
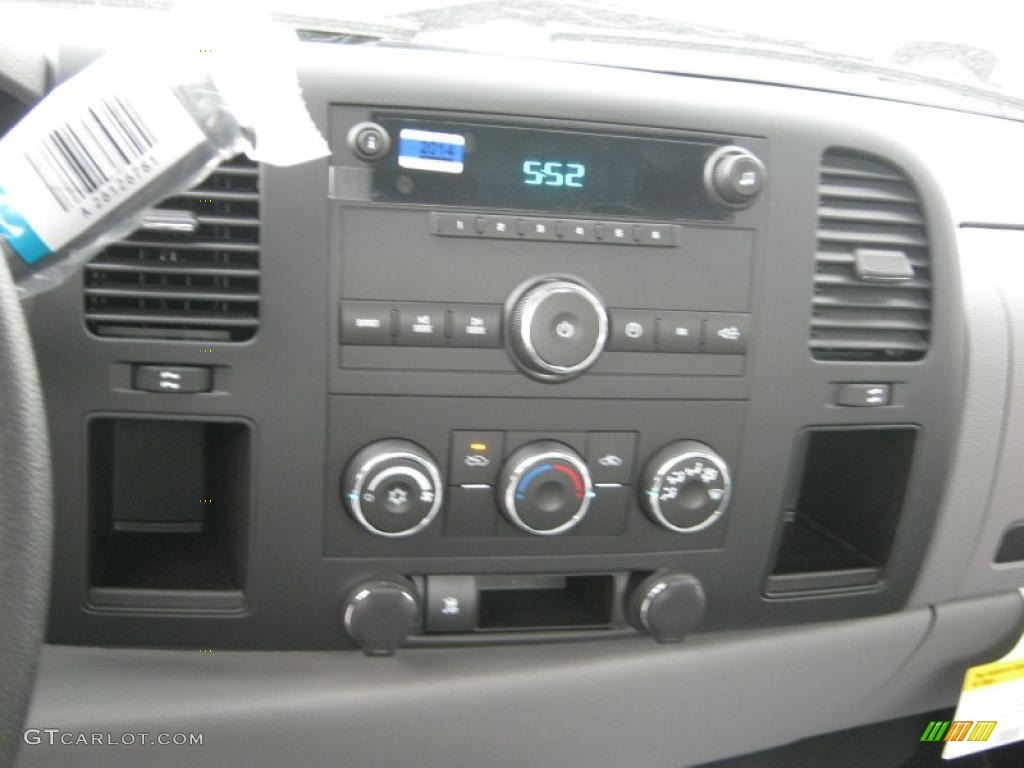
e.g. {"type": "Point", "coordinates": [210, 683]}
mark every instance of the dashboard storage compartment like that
{"type": "Point", "coordinates": [545, 602]}
{"type": "Point", "coordinates": [169, 509]}
{"type": "Point", "coordinates": [847, 506]}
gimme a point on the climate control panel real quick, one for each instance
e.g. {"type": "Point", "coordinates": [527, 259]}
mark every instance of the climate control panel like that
{"type": "Point", "coordinates": [543, 487]}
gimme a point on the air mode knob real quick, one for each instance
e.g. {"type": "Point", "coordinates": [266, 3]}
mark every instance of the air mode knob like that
{"type": "Point", "coordinates": [393, 488]}
{"type": "Point", "coordinates": [685, 486]}
{"type": "Point", "coordinates": [545, 488]}
{"type": "Point", "coordinates": [557, 328]}
{"type": "Point", "coordinates": [734, 176]}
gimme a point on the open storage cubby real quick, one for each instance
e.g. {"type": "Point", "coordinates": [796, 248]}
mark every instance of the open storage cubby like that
{"type": "Point", "coordinates": [850, 493]}
{"type": "Point", "coordinates": [169, 510]}
{"type": "Point", "coordinates": [545, 602]}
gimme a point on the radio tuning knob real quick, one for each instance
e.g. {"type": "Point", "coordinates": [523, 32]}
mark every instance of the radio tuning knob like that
{"type": "Point", "coordinates": [734, 176]}
{"type": "Point", "coordinates": [557, 328]}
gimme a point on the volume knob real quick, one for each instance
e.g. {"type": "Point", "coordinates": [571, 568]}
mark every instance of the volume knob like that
{"type": "Point", "coordinates": [558, 328]}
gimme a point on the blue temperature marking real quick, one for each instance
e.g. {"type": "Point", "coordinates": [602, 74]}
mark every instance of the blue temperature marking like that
{"type": "Point", "coordinates": [525, 480]}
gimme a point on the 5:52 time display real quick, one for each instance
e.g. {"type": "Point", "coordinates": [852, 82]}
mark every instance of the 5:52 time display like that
{"type": "Point", "coordinates": [538, 173]}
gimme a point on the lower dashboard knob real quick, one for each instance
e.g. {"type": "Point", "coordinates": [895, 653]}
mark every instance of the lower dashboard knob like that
{"type": "Point", "coordinates": [668, 606]}
{"type": "Point", "coordinates": [380, 614]}
{"type": "Point", "coordinates": [545, 488]}
{"type": "Point", "coordinates": [393, 488]}
{"type": "Point", "coordinates": [685, 486]}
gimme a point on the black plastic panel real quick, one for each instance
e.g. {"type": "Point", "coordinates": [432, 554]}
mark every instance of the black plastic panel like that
{"type": "Point", "coordinates": [717, 424]}
{"type": "Point", "coordinates": [312, 403]}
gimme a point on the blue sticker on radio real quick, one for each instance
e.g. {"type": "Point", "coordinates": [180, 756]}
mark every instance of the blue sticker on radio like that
{"type": "Point", "coordinates": [431, 150]}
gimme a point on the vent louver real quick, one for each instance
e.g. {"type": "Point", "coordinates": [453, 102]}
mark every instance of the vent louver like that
{"type": "Point", "coordinates": [191, 271]}
{"type": "Point", "coordinates": [872, 282]}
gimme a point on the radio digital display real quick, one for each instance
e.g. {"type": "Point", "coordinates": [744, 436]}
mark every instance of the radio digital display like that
{"type": "Point", "coordinates": [541, 169]}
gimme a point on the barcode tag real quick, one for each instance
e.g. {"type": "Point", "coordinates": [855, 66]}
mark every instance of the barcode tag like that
{"type": "Point", "coordinates": [80, 153]}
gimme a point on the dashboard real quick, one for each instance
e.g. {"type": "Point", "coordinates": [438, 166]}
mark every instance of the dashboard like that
{"type": "Point", "coordinates": [545, 362]}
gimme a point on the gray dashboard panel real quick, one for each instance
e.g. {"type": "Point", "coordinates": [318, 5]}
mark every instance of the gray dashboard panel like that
{"type": "Point", "coordinates": [616, 703]}
{"type": "Point", "coordinates": [959, 560]}
{"type": "Point", "coordinates": [1003, 255]}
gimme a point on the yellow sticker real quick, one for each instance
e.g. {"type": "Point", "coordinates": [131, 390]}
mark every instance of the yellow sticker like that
{"type": "Point", "coordinates": [990, 712]}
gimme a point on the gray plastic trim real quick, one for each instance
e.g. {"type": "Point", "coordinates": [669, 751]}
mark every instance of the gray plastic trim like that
{"type": "Point", "coordinates": [565, 705]}
{"type": "Point", "coordinates": [1005, 257]}
{"type": "Point", "coordinates": [986, 260]}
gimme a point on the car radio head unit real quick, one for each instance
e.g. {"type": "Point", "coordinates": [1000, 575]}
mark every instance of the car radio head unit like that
{"type": "Point", "coordinates": [530, 168]}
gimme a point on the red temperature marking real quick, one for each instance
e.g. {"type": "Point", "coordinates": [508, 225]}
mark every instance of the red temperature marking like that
{"type": "Point", "coordinates": [577, 481]}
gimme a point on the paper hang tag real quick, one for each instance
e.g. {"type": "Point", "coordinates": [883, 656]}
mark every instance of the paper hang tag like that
{"type": "Point", "coordinates": [990, 712]}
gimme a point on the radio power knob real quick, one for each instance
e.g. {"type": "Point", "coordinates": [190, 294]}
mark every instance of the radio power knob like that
{"type": "Point", "coordinates": [734, 176]}
{"type": "Point", "coordinates": [557, 328]}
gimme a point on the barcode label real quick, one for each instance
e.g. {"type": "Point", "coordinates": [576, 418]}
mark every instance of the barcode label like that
{"type": "Point", "coordinates": [80, 154]}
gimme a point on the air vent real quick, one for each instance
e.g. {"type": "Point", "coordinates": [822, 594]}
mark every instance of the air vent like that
{"type": "Point", "coordinates": [191, 271]}
{"type": "Point", "coordinates": [872, 282]}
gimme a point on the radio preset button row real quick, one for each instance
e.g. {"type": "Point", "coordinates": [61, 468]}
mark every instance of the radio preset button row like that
{"type": "Point", "coordinates": [502, 227]}
{"type": "Point", "coordinates": [419, 324]}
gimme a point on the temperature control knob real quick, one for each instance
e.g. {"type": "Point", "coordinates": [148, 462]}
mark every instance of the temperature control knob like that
{"type": "Point", "coordinates": [392, 488]}
{"type": "Point", "coordinates": [734, 176]}
{"type": "Point", "coordinates": [545, 488]}
{"type": "Point", "coordinates": [557, 328]}
{"type": "Point", "coordinates": [685, 486]}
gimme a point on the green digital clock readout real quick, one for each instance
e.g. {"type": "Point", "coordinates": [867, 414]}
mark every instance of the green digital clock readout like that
{"type": "Point", "coordinates": [538, 173]}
